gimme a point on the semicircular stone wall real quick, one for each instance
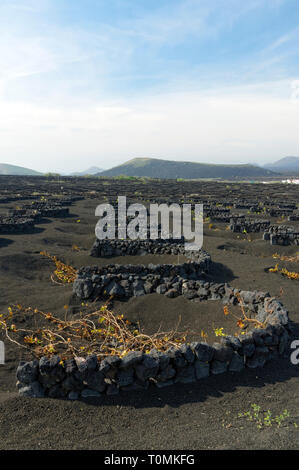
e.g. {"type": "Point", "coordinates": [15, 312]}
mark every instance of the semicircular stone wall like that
{"type": "Point", "coordinates": [84, 377]}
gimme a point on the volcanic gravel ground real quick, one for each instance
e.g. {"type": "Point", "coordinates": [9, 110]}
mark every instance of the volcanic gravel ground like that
{"type": "Point", "coordinates": [203, 415]}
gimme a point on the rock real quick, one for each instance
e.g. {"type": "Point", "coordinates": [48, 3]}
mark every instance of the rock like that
{"type": "Point", "coordinates": [109, 362]}
{"type": "Point", "coordinates": [82, 371]}
{"type": "Point", "coordinates": [279, 317]}
{"type": "Point", "coordinates": [172, 293]}
{"type": "Point", "coordinates": [92, 362]}
{"type": "Point", "coordinates": [148, 287]}
{"type": "Point", "coordinates": [95, 381]}
{"type": "Point", "coordinates": [262, 315]}
{"type": "Point", "coordinates": [131, 359]}
{"type": "Point", "coordinates": [190, 294]}
{"type": "Point", "coordinates": [248, 297]}
{"type": "Point", "coordinates": [125, 377]}
{"type": "Point", "coordinates": [33, 390]}
{"type": "Point", "coordinates": [231, 341]}
{"type": "Point", "coordinates": [258, 336]}
{"type": "Point", "coordinates": [237, 363]}
{"type": "Point", "coordinates": [176, 357]}
{"type": "Point", "coordinates": [138, 289]}
{"type": "Point", "coordinates": [185, 375]}
{"type": "Point", "coordinates": [27, 372]}
{"type": "Point", "coordinates": [271, 340]}
{"type": "Point", "coordinates": [215, 296]}
{"type": "Point", "coordinates": [202, 369]}
{"type": "Point", "coordinates": [283, 342]}
{"type": "Point", "coordinates": [56, 391]}
{"type": "Point", "coordinates": [112, 389]}
{"type": "Point", "coordinates": [203, 351]}
{"type": "Point", "coordinates": [162, 358]}
{"type": "Point", "coordinates": [259, 358]}
{"type": "Point", "coordinates": [51, 371]}
{"type": "Point", "coordinates": [44, 366]}
{"type": "Point", "coordinates": [218, 367]}
{"type": "Point", "coordinates": [83, 288]}
{"type": "Point", "coordinates": [166, 374]}
{"type": "Point", "coordinates": [73, 395]}
{"type": "Point", "coordinates": [70, 366]}
{"type": "Point", "coordinates": [248, 346]}
{"type": "Point", "coordinates": [222, 353]}
{"type": "Point", "coordinates": [187, 352]}
{"type": "Point", "coordinates": [47, 380]}
{"type": "Point", "coordinates": [161, 289]}
{"type": "Point", "coordinates": [110, 375]}
{"type": "Point", "coordinates": [70, 383]}
{"type": "Point", "coordinates": [88, 393]}
{"type": "Point", "coordinates": [147, 369]}
{"type": "Point", "coordinates": [114, 289]}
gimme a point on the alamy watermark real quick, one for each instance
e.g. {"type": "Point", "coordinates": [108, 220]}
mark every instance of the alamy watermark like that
{"type": "Point", "coordinates": [295, 354]}
{"type": "Point", "coordinates": [2, 353]}
{"type": "Point", "coordinates": [132, 222]}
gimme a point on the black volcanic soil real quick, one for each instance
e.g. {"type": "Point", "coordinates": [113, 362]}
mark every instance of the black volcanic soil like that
{"type": "Point", "coordinates": [203, 415]}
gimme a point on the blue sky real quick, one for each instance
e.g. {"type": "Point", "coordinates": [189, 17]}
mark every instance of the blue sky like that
{"type": "Point", "coordinates": [96, 82]}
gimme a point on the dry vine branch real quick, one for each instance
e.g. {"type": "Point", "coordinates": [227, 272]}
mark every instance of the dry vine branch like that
{"type": "Point", "coordinates": [244, 320]}
{"type": "Point", "coordinates": [63, 274]}
{"type": "Point", "coordinates": [291, 259]}
{"type": "Point", "coordinates": [101, 332]}
{"type": "Point", "coordinates": [285, 272]}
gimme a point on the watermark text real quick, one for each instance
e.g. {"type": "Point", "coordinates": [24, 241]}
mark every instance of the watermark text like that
{"type": "Point", "coordinates": [137, 222]}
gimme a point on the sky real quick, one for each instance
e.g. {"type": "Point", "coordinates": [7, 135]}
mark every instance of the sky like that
{"type": "Point", "coordinates": [98, 82]}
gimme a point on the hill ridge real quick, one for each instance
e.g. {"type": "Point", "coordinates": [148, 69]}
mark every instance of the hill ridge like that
{"type": "Point", "coordinates": [171, 169]}
{"type": "Point", "coordinates": [8, 169]}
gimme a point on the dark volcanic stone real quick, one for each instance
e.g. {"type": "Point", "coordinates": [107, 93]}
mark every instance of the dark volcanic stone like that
{"type": "Point", "coordinates": [237, 363]}
{"type": "Point", "coordinates": [70, 366]}
{"type": "Point", "coordinates": [166, 374]}
{"type": "Point", "coordinates": [232, 342]}
{"type": "Point", "coordinates": [176, 357]}
{"type": "Point", "coordinates": [56, 391]}
{"type": "Point", "coordinates": [222, 353]}
{"type": "Point", "coordinates": [138, 288]}
{"type": "Point", "coordinates": [147, 369]}
{"type": "Point", "coordinates": [218, 367]}
{"type": "Point", "coordinates": [131, 359]}
{"type": "Point", "coordinates": [27, 372]}
{"type": "Point", "coordinates": [115, 289]}
{"type": "Point", "coordinates": [259, 358]}
{"type": "Point", "coordinates": [70, 383]}
{"type": "Point", "coordinates": [125, 377]}
{"type": "Point", "coordinates": [88, 393]}
{"type": "Point", "coordinates": [33, 390]}
{"type": "Point", "coordinates": [95, 381]}
{"type": "Point", "coordinates": [186, 375]}
{"type": "Point", "coordinates": [92, 362]}
{"type": "Point", "coordinates": [161, 289]}
{"type": "Point", "coordinates": [203, 351]}
{"type": "Point", "coordinates": [202, 369]}
{"type": "Point", "coordinates": [187, 353]}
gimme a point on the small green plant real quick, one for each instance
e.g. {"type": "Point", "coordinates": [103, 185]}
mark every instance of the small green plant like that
{"type": "Point", "coordinates": [264, 419]}
{"type": "Point", "coordinates": [280, 418]}
{"type": "Point", "coordinates": [219, 332]}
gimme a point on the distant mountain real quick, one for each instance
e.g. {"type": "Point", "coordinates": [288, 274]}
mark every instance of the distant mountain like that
{"type": "Point", "coordinates": [6, 169]}
{"type": "Point", "coordinates": [157, 168]}
{"type": "Point", "coordinates": [284, 165]}
{"type": "Point", "coordinates": [91, 171]}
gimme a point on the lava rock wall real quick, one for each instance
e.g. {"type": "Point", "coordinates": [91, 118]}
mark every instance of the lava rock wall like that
{"type": "Point", "coordinates": [89, 377]}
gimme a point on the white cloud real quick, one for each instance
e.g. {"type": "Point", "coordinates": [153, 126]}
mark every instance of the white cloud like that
{"type": "Point", "coordinates": [53, 80]}
{"type": "Point", "coordinates": [238, 125]}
